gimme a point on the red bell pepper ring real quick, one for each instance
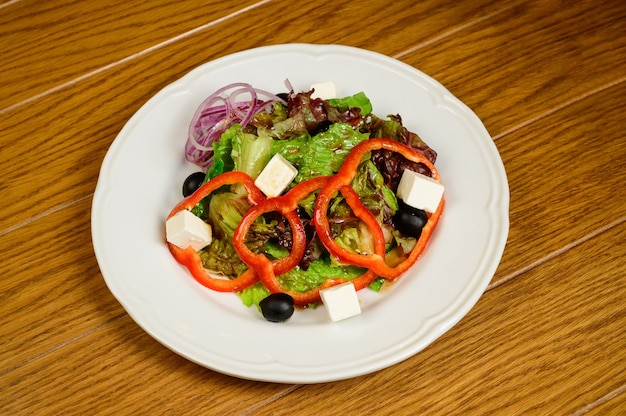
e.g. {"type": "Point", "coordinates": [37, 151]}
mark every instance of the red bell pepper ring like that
{"type": "Point", "coordinates": [268, 270]}
{"type": "Point", "coordinates": [375, 262]}
{"type": "Point", "coordinates": [189, 258]}
{"type": "Point", "coordinates": [258, 261]}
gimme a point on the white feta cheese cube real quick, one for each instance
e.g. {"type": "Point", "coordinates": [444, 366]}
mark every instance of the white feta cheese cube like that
{"type": "Point", "coordinates": [324, 90]}
{"type": "Point", "coordinates": [341, 301]}
{"type": "Point", "coordinates": [275, 176]}
{"type": "Point", "coordinates": [419, 191]}
{"type": "Point", "coordinates": [184, 229]}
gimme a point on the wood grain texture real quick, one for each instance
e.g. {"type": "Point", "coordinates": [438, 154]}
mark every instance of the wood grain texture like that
{"type": "Point", "coordinates": [52, 291]}
{"type": "Point", "coordinates": [545, 345]}
{"type": "Point", "coordinates": [92, 111]}
{"type": "Point", "coordinates": [97, 38]}
{"type": "Point", "coordinates": [565, 180]}
{"type": "Point", "coordinates": [119, 369]}
{"type": "Point", "coordinates": [547, 78]}
{"type": "Point", "coordinates": [614, 403]}
{"type": "Point", "coordinates": [530, 59]}
{"type": "Point", "coordinates": [552, 215]}
{"type": "Point", "coordinates": [48, 43]}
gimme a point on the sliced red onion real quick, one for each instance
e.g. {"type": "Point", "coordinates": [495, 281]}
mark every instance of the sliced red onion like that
{"type": "Point", "coordinates": [217, 113]}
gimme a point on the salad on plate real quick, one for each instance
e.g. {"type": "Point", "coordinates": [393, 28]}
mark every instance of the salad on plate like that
{"type": "Point", "coordinates": [302, 198]}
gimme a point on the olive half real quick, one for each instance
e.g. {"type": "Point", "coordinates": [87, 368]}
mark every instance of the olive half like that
{"type": "Point", "coordinates": [192, 183]}
{"type": "Point", "coordinates": [277, 307]}
{"type": "Point", "coordinates": [408, 220]}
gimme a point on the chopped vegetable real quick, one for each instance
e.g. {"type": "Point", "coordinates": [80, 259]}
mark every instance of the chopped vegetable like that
{"type": "Point", "coordinates": [409, 220]}
{"type": "Point", "coordinates": [339, 220]}
{"type": "Point", "coordinates": [358, 100]}
{"type": "Point", "coordinates": [277, 307]}
{"type": "Point", "coordinates": [192, 183]}
{"type": "Point", "coordinates": [373, 261]}
{"type": "Point", "coordinates": [190, 258]}
{"type": "Point", "coordinates": [217, 113]}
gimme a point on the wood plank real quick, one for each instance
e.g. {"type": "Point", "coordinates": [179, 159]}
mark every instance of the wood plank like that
{"type": "Point", "coordinates": [612, 404]}
{"type": "Point", "coordinates": [530, 59]}
{"type": "Point", "coordinates": [95, 38]}
{"type": "Point", "coordinates": [565, 179]}
{"type": "Point", "coordinates": [35, 326]}
{"type": "Point", "coordinates": [556, 333]}
{"type": "Point", "coordinates": [26, 290]}
{"type": "Point", "coordinates": [119, 369]}
{"type": "Point", "coordinates": [85, 117]}
{"type": "Point", "coordinates": [51, 290]}
{"type": "Point", "coordinates": [71, 170]}
{"type": "Point", "coordinates": [84, 38]}
{"type": "Point", "coordinates": [555, 343]}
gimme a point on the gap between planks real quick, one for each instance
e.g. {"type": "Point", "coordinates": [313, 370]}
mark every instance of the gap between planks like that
{"type": "Point", "coordinates": [555, 253]}
{"type": "Point", "coordinates": [431, 41]}
{"type": "Point", "coordinates": [454, 31]}
{"type": "Point", "coordinates": [9, 3]}
{"type": "Point", "coordinates": [214, 23]}
{"type": "Point", "coordinates": [604, 399]}
{"type": "Point", "coordinates": [133, 56]}
{"type": "Point", "coordinates": [63, 344]}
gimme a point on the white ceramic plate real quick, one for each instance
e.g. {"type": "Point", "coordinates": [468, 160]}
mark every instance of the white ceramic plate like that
{"type": "Point", "coordinates": [140, 182]}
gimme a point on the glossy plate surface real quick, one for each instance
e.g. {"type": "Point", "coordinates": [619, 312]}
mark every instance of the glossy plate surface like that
{"type": "Point", "coordinates": [140, 182]}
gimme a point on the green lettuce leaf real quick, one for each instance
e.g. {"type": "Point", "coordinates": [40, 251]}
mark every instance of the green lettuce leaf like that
{"type": "Point", "coordinates": [358, 100]}
{"type": "Point", "coordinates": [220, 257]}
{"type": "Point", "coordinates": [299, 280]}
{"type": "Point", "coordinates": [325, 152]}
{"type": "Point", "coordinates": [254, 294]}
{"type": "Point", "coordinates": [250, 153]}
{"type": "Point", "coordinates": [358, 239]}
{"type": "Point", "coordinates": [322, 154]}
{"type": "Point", "coordinates": [291, 149]}
{"type": "Point", "coordinates": [222, 149]}
{"type": "Point", "coordinates": [269, 119]}
{"type": "Point", "coordinates": [226, 210]}
{"type": "Point", "coordinates": [377, 284]}
{"type": "Point", "coordinates": [375, 195]}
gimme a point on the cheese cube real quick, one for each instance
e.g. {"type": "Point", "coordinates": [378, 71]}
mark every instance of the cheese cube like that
{"type": "Point", "coordinates": [275, 176]}
{"type": "Point", "coordinates": [341, 301]}
{"type": "Point", "coordinates": [419, 191]}
{"type": "Point", "coordinates": [324, 90]}
{"type": "Point", "coordinates": [184, 229]}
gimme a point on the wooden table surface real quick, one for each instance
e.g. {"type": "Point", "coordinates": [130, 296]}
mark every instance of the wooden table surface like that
{"type": "Point", "coordinates": [547, 78]}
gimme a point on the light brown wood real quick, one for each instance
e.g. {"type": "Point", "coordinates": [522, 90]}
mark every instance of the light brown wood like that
{"type": "Point", "coordinates": [562, 188]}
{"type": "Point", "coordinates": [46, 44]}
{"type": "Point", "coordinates": [521, 349]}
{"type": "Point", "coordinates": [91, 111]}
{"type": "Point", "coordinates": [613, 403]}
{"type": "Point", "coordinates": [66, 272]}
{"type": "Point", "coordinates": [529, 60]}
{"type": "Point", "coordinates": [547, 337]}
{"type": "Point", "coordinates": [120, 369]}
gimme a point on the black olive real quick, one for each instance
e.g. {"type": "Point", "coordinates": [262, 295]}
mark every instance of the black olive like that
{"type": "Point", "coordinates": [283, 95]}
{"type": "Point", "coordinates": [322, 126]}
{"type": "Point", "coordinates": [277, 307]}
{"type": "Point", "coordinates": [408, 220]}
{"type": "Point", "coordinates": [192, 183]}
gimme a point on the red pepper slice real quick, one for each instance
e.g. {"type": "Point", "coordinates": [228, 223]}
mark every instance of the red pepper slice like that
{"type": "Point", "coordinates": [190, 258]}
{"type": "Point", "coordinates": [259, 261]}
{"type": "Point", "coordinates": [267, 270]}
{"type": "Point", "coordinates": [260, 267]}
{"type": "Point", "coordinates": [340, 182]}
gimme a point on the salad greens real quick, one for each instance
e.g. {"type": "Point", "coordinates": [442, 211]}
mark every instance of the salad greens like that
{"type": "Point", "coordinates": [315, 136]}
